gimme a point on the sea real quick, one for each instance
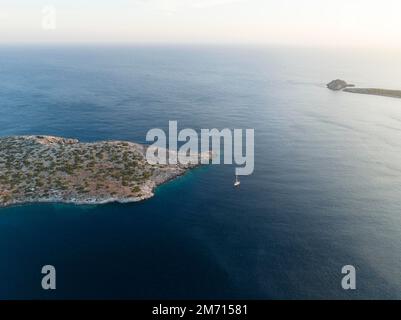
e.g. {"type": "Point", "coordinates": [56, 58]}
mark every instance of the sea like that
{"type": "Point", "coordinates": [325, 192]}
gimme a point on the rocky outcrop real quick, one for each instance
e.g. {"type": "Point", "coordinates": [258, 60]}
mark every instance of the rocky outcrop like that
{"type": "Point", "coordinates": [338, 85]}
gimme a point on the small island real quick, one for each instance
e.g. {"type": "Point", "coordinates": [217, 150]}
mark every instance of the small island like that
{"type": "Point", "coordinates": [53, 169]}
{"type": "Point", "coordinates": [341, 85]}
{"type": "Point", "coordinates": [337, 85]}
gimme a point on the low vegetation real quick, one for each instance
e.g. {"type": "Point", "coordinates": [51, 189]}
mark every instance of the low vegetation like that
{"type": "Point", "coordinates": [43, 168]}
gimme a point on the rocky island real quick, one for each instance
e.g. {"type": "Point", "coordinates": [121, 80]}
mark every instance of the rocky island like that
{"type": "Point", "coordinates": [53, 169]}
{"type": "Point", "coordinates": [341, 85]}
{"type": "Point", "coordinates": [337, 85]}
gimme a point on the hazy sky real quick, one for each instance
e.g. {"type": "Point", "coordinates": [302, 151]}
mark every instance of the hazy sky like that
{"type": "Point", "coordinates": [290, 22]}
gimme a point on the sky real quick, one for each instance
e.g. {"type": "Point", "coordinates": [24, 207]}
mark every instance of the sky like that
{"type": "Point", "coordinates": [366, 23]}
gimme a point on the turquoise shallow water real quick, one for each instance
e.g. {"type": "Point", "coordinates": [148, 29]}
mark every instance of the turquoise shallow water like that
{"type": "Point", "coordinates": [325, 191]}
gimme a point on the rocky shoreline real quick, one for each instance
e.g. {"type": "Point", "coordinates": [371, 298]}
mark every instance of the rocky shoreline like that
{"type": "Point", "coordinates": [44, 169]}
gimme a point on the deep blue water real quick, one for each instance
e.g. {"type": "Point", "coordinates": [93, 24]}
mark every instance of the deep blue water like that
{"type": "Point", "coordinates": [326, 191]}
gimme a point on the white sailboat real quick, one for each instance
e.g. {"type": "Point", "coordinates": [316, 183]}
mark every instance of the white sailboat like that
{"type": "Point", "coordinates": [237, 182]}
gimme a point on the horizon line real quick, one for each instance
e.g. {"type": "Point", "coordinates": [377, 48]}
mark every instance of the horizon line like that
{"type": "Point", "coordinates": [200, 44]}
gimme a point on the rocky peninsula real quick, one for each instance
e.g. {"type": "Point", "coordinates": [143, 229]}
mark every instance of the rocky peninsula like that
{"type": "Point", "coordinates": [341, 85]}
{"type": "Point", "coordinates": [52, 169]}
{"type": "Point", "coordinates": [376, 92]}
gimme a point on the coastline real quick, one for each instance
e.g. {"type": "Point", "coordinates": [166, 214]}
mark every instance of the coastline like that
{"type": "Point", "coordinates": [90, 201]}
